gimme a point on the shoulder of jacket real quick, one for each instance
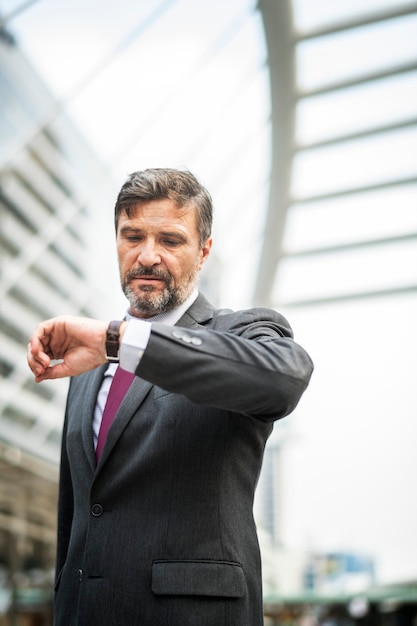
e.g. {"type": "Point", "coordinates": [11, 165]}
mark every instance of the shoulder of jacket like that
{"type": "Point", "coordinates": [243, 317]}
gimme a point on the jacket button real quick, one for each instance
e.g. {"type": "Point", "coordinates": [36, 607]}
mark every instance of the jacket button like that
{"type": "Point", "coordinates": [96, 510]}
{"type": "Point", "coordinates": [80, 575]}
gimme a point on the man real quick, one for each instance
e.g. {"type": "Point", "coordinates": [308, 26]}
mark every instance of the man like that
{"type": "Point", "coordinates": [155, 522]}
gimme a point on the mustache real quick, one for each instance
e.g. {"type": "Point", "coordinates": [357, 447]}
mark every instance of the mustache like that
{"type": "Point", "coordinates": [141, 272]}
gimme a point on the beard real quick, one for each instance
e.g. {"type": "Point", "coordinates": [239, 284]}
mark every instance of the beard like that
{"type": "Point", "coordinates": [148, 301]}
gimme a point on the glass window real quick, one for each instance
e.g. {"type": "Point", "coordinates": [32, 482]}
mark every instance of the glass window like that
{"type": "Point", "coordinates": [347, 272]}
{"type": "Point", "coordinates": [358, 217]}
{"type": "Point", "coordinates": [355, 164]}
{"type": "Point", "coordinates": [310, 14]}
{"type": "Point", "coordinates": [356, 52]}
{"type": "Point", "coordinates": [358, 108]}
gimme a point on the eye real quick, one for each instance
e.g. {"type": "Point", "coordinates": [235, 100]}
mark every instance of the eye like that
{"type": "Point", "coordinates": [134, 238]}
{"type": "Point", "coordinates": [171, 243]}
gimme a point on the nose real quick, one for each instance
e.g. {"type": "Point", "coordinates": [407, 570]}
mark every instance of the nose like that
{"type": "Point", "coordinates": [148, 254]}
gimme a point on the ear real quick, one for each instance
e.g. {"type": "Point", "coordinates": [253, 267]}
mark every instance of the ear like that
{"type": "Point", "coordinates": [205, 251]}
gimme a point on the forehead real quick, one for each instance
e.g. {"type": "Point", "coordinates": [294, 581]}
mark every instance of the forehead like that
{"type": "Point", "coordinates": [160, 214]}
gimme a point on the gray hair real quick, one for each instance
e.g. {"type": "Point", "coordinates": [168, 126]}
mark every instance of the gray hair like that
{"type": "Point", "coordinates": [180, 186]}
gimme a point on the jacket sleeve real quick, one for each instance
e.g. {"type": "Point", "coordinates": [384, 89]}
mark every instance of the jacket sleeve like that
{"type": "Point", "coordinates": [246, 362]}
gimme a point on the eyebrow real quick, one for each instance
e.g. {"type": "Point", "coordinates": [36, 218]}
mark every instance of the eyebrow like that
{"type": "Point", "coordinates": [163, 233]}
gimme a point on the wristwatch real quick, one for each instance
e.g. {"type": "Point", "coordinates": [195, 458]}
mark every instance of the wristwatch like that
{"type": "Point", "coordinates": [113, 341]}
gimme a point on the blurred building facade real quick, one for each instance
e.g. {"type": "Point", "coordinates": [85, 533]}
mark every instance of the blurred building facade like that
{"type": "Point", "coordinates": [47, 173]}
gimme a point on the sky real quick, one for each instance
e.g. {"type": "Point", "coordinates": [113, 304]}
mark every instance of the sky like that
{"type": "Point", "coordinates": [185, 84]}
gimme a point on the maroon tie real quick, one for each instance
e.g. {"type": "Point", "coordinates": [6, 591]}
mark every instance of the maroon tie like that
{"type": "Point", "coordinates": [120, 384]}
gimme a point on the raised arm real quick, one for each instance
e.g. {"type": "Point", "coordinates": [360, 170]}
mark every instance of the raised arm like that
{"type": "Point", "coordinates": [77, 343]}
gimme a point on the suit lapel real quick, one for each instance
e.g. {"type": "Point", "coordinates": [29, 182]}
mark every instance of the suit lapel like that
{"type": "Point", "coordinates": [89, 399]}
{"type": "Point", "coordinates": [199, 313]}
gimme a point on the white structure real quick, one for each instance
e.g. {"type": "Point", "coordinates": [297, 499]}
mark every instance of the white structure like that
{"type": "Point", "coordinates": [341, 249]}
{"type": "Point", "coordinates": [47, 175]}
{"type": "Point", "coordinates": [50, 184]}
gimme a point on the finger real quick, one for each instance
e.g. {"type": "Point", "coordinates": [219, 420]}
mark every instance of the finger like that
{"type": "Point", "coordinates": [58, 370]}
{"type": "Point", "coordinates": [33, 362]}
{"type": "Point", "coordinates": [36, 355]}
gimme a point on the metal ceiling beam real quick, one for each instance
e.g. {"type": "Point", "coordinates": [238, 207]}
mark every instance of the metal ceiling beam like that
{"type": "Point", "coordinates": [278, 26]}
{"type": "Point", "coordinates": [361, 134]}
{"type": "Point", "coordinates": [360, 79]}
{"type": "Point", "coordinates": [340, 193]}
{"type": "Point", "coordinates": [281, 40]}
{"type": "Point", "coordinates": [357, 22]}
{"type": "Point", "coordinates": [352, 245]}
{"type": "Point", "coordinates": [348, 297]}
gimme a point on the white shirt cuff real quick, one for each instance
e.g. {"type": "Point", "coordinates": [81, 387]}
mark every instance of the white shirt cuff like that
{"type": "Point", "coordinates": [133, 344]}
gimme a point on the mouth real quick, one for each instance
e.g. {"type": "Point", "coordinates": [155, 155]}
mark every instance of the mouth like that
{"type": "Point", "coordinates": [152, 279]}
{"type": "Point", "coordinates": [147, 281]}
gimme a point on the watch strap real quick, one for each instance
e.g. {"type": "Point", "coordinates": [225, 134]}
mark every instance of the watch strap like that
{"type": "Point", "coordinates": [113, 341]}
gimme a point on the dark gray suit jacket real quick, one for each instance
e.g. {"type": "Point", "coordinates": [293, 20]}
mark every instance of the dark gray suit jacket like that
{"type": "Point", "coordinates": [161, 532]}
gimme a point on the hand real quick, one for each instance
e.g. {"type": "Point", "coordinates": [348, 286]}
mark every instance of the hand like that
{"type": "Point", "coordinates": [77, 343]}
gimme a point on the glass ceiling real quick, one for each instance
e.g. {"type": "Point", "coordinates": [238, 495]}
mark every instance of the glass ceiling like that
{"type": "Point", "coordinates": [346, 275]}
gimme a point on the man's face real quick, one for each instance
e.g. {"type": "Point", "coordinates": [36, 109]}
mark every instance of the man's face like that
{"type": "Point", "coordinates": [159, 256]}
